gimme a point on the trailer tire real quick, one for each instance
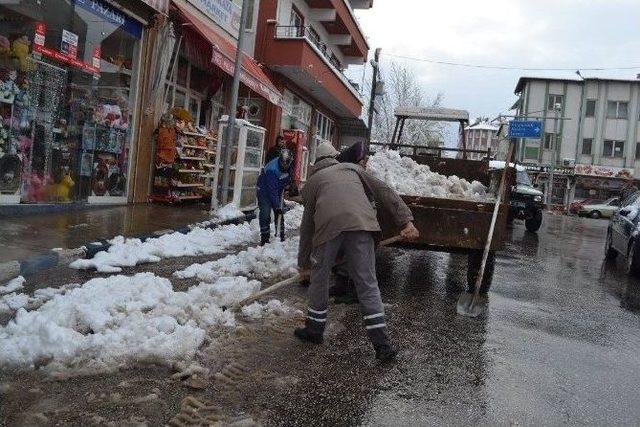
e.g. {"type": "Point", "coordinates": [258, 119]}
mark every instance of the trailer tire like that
{"type": "Point", "coordinates": [533, 224]}
{"type": "Point", "coordinates": [474, 261]}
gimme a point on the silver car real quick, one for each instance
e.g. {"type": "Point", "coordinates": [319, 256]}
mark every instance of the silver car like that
{"type": "Point", "coordinates": [605, 209]}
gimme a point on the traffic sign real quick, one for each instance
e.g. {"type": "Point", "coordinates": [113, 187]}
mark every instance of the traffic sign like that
{"type": "Point", "coordinates": [525, 129]}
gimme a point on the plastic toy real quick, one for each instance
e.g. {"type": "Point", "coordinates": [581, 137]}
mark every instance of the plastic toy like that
{"type": "Point", "coordinates": [36, 190]}
{"type": "Point", "coordinates": [20, 49]}
{"type": "Point", "coordinates": [63, 189]}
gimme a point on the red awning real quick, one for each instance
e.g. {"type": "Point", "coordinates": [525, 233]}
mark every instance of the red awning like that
{"type": "Point", "coordinates": [224, 54]}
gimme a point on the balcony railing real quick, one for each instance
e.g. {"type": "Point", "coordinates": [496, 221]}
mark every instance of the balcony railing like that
{"type": "Point", "coordinates": [307, 33]}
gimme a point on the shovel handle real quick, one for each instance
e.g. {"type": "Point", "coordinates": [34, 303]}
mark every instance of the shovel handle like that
{"type": "Point", "coordinates": [391, 240]}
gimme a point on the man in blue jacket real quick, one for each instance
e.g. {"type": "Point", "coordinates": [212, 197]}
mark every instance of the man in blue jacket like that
{"type": "Point", "coordinates": [274, 178]}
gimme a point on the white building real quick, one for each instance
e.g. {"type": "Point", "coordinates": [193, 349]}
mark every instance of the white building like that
{"type": "Point", "coordinates": [482, 136]}
{"type": "Point", "coordinates": [596, 131]}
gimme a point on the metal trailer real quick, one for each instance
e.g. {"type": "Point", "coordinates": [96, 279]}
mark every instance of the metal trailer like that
{"type": "Point", "coordinates": [448, 225]}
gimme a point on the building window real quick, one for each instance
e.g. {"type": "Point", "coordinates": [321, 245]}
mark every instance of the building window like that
{"type": "Point", "coordinates": [250, 11]}
{"type": "Point", "coordinates": [587, 144]}
{"type": "Point", "coordinates": [548, 141]}
{"type": "Point", "coordinates": [553, 101]}
{"type": "Point", "coordinates": [617, 109]}
{"type": "Point", "coordinates": [637, 150]}
{"type": "Point", "coordinates": [613, 148]}
{"type": "Point", "coordinates": [324, 127]}
{"type": "Point", "coordinates": [531, 153]}
{"type": "Point", "coordinates": [591, 108]}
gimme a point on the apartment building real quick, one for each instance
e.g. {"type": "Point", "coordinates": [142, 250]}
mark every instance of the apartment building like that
{"type": "Point", "coordinates": [481, 136]}
{"type": "Point", "coordinates": [590, 132]}
{"type": "Point", "coordinates": [306, 45]}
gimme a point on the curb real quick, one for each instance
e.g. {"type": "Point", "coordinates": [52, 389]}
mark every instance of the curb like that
{"type": "Point", "coordinates": [57, 257]}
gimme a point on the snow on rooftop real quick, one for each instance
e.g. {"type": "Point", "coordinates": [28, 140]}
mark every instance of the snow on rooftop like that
{"type": "Point", "coordinates": [482, 126]}
{"type": "Point", "coordinates": [409, 178]}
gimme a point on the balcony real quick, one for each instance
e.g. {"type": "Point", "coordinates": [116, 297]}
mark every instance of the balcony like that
{"type": "Point", "coordinates": [298, 54]}
{"type": "Point", "coordinates": [338, 18]}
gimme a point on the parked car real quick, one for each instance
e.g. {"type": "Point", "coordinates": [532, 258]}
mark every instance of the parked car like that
{"type": "Point", "coordinates": [574, 207]}
{"type": "Point", "coordinates": [623, 234]}
{"type": "Point", "coordinates": [605, 209]}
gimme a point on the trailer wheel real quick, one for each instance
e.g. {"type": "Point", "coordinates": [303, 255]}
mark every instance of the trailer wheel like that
{"type": "Point", "coordinates": [473, 268]}
{"type": "Point", "coordinates": [533, 224]}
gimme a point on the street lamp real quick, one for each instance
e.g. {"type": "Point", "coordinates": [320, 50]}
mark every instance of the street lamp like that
{"type": "Point", "coordinates": [557, 108]}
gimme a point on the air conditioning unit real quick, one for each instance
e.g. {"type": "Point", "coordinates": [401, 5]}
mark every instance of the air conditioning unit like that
{"type": "Point", "coordinates": [568, 163]}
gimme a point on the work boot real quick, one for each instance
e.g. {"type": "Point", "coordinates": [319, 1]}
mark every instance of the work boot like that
{"type": "Point", "coordinates": [303, 334]}
{"type": "Point", "coordinates": [264, 239]}
{"type": "Point", "coordinates": [386, 353]}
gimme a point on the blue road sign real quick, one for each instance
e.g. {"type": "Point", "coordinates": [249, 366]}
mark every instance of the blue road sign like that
{"type": "Point", "coordinates": [525, 129]}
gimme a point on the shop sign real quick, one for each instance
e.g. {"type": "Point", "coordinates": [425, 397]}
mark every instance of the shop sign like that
{"type": "Point", "coordinates": [223, 12]}
{"type": "Point", "coordinates": [603, 171]}
{"type": "Point", "coordinates": [39, 48]}
{"type": "Point", "coordinates": [228, 66]}
{"type": "Point", "coordinates": [69, 44]}
{"type": "Point", "coordinates": [111, 15]}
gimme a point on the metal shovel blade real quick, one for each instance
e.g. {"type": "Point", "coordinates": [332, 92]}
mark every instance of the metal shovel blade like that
{"type": "Point", "coordinates": [467, 307]}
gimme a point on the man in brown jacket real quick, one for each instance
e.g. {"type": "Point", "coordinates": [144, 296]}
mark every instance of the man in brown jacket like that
{"type": "Point", "coordinates": [340, 202]}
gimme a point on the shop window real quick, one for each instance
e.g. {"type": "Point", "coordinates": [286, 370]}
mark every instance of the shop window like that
{"type": "Point", "coordinates": [587, 144]}
{"type": "Point", "coordinates": [296, 20]}
{"type": "Point", "coordinates": [324, 127]}
{"type": "Point", "coordinates": [250, 13]}
{"type": "Point", "coordinates": [613, 148]}
{"type": "Point", "coordinates": [71, 85]}
{"type": "Point", "coordinates": [617, 109]}
{"type": "Point", "coordinates": [555, 101]}
{"type": "Point", "coordinates": [590, 110]}
{"type": "Point", "coordinates": [182, 74]}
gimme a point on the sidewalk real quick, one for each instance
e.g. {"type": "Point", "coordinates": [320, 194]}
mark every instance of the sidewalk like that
{"type": "Point", "coordinates": [33, 235]}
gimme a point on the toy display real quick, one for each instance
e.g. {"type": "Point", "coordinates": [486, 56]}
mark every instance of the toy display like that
{"type": "Point", "coordinates": [182, 153]}
{"type": "Point", "coordinates": [20, 49]}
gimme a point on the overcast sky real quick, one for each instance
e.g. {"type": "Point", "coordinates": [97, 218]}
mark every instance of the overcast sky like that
{"type": "Point", "coordinates": [519, 33]}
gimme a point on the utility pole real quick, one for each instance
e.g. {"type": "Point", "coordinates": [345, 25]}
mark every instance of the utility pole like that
{"type": "Point", "coordinates": [556, 110]}
{"type": "Point", "coordinates": [231, 122]}
{"type": "Point", "coordinates": [372, 100]}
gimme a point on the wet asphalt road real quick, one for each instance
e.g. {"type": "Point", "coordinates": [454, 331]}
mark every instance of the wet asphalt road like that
{"type": "Point", "coordinates": [558, 345]}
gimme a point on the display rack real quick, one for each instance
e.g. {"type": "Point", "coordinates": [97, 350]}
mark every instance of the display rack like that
{"type": "Point", "coordinates": [186, 178]}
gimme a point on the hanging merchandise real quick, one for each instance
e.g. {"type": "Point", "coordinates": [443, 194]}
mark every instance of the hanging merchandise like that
{"type": "Point", "coordinates": [182, 151]}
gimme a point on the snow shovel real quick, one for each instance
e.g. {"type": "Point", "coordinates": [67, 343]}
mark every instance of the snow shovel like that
{"type": "Point", "coordinates": [297, 278]}
{"type": "Point", "coordinates": [473, 305]}
{"type": "Point", "coordinates": [279, 220]}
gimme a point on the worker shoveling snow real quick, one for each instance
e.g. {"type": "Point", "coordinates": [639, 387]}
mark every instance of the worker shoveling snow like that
{"type": "Point", "coordinates": [409, 178]}
{"type": "Point", "coordinates": [125, 252]}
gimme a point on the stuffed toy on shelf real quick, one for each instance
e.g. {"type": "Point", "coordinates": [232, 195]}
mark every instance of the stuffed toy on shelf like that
{"type": "Point", "coordinates": [20, 49]}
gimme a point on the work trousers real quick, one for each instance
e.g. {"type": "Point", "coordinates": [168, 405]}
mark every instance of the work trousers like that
{"type": "Point", "coordinates": [359, 252]}
{"type": "Point", "coordinates": [264, 216]}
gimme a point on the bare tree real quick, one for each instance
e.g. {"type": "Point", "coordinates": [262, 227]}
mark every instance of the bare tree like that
{"type": "Point", "coordinates": [402, 89]}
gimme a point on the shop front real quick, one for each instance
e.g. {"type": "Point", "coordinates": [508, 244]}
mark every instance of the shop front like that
{"type": "Point", "coordinates": [601, 182]}
{"type": "Point", "coordinates": [68, 80]}
{"type": "Point", "coordinates": [196, 97]}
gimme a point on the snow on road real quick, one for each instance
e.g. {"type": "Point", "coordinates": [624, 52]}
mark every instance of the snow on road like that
{"type": "Point", "coordinates": [199, 241]}
{"type": "Point", "coordinates": [13, 285]}
{"type": "Point", "coordinates": [412, 179]}
{"type": "Point", "coordinates": [274, 260]}
{"type": "Point", "coordinates": [121, 321]}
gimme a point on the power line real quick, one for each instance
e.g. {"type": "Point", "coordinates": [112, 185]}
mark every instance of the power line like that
{"type": "Point", "coordinates": [504, 67]}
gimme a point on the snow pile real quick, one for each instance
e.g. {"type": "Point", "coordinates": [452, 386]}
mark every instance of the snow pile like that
{"type": "Point", "coordinates": [199, 241]}
{"type": "Point", "coordinates": [274, 260]}
{"type": "Point", "coordinates": [257, 311]}
{"type": "Point", "coordinates": [229, 211]}
{"type": "Point", "coordinates": [409, 178]}
{"type": "Point", "coordinates": [13, 285]}
{"type": "Point", "coordinates": [118, 321]}
{"type": "Point", "coordinates": [14, 301]}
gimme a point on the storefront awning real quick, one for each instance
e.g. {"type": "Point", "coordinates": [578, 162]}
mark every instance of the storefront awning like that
{"type": "Point", "coordinates": [223, 55]}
